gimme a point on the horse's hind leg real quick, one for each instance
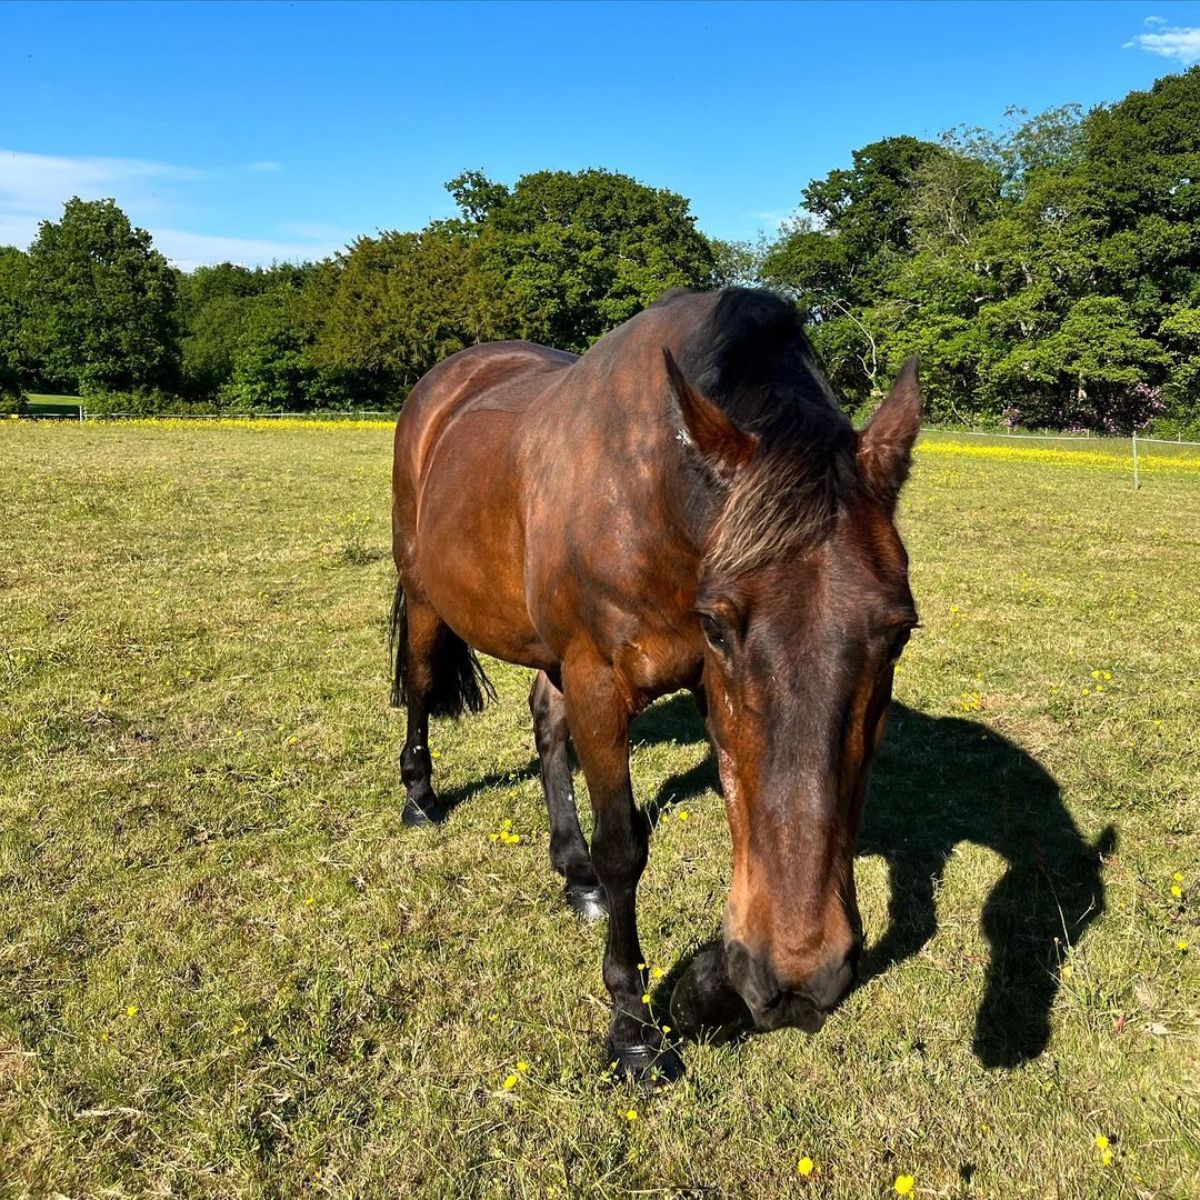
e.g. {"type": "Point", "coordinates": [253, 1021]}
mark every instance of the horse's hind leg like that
{"type": "Point", "coordinates": [568, 851]}
{"type": "Point", "coordinates": [417, 630]}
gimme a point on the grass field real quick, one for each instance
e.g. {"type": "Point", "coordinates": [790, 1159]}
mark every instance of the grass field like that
{"type": "Point", "coordinates": [226, 969]}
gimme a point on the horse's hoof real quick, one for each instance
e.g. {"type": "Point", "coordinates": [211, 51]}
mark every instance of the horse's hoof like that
{"type": "Point", "coordinates": [647, 1065]}
{"type": "Point", "coordinates": [704, 1002]}
{"type": "Point", "coordinates": [414, 814]}
{"type": "Point", "coordinates": [587, 900]}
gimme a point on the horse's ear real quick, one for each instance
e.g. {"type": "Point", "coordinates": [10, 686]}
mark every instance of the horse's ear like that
{"type": "Point", "coordinates": [716, 437]}
{"type": "Point", "coordinates": [885, 445]}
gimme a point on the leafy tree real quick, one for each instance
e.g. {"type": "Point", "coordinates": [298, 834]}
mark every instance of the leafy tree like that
{"type": "Point", "coordinates": [571, 255]}
{"type": "Point", "coordinates": [102, 302]}
{"type": "Point", "coordinates": [389, 308]}
{"type": "Point", "coordinates": [272, 368]}
{"type": "Point", "coordinates": [15, 368]}
{"type": "Point", "coordinates": [861, 224]}
{"type": "Point", "coordinates": [217, 304]}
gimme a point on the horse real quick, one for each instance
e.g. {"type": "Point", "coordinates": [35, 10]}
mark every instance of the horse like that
{"type": "Point", "coordinates": [684, 506]}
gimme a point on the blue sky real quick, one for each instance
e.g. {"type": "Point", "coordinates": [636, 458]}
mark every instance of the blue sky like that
{"type": "Point", "coordinates": [263, 131]}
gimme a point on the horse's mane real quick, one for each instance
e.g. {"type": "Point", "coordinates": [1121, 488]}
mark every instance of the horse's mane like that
{"type": "Point", "coordinates": [750, 356]}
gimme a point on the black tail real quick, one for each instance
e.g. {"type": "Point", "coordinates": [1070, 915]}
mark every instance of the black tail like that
{"type": "Point", "coordinates": [459, 682]}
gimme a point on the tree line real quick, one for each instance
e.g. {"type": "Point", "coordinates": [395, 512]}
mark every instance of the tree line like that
{"type": "Point", "coordinates": [1048, 274]}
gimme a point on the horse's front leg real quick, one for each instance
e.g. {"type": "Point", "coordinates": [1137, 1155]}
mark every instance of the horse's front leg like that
{"type": "Point", "coordinates": [599, 720]}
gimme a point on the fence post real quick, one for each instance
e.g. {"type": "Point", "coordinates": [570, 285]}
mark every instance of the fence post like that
{"type": "Point", "coordinates": [1135, 462]}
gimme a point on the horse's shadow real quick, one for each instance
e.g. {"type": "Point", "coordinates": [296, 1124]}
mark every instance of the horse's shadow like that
{"type": "Point", "coordinates": [938, 782]}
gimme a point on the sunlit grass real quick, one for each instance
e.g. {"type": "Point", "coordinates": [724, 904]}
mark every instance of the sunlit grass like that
{"type": "Point", "coordinates": [226, 968]}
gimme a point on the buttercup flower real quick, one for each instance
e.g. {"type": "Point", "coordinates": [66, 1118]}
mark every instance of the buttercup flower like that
{"type": "Point", "coordinates": [805, 1166]}
{"type": "Point", "coordinates": [905, 1184]}
{"type": "Point", "coordinates": [510, 1083]}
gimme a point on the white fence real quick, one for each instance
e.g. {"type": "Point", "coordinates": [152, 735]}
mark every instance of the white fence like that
{"type": "Point", "coordinates": [1132, 445]}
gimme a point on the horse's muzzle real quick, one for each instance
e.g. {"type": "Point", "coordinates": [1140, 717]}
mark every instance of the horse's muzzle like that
{"type": "Point", "coordinates": [775, 1006]}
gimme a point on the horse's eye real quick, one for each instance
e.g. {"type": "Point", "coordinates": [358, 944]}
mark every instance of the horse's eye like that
{"type": "Point", "coordinates": [712, 632]}
{"type": "Point", "coordinates": [898, 644]}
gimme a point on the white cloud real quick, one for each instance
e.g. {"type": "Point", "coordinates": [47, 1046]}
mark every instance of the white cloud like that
{"type": "Point", "coordinates": [1180, 42]}
{"type": "Point", "coordinates": [189, 250]}
{"type": "Point", "coordinates": [34, 187]}
{"type": "Point", "coordinates": [37, 184]}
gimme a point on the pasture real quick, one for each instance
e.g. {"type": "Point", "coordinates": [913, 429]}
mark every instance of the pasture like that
{"type": "Point", "coordinates": [226, 969]}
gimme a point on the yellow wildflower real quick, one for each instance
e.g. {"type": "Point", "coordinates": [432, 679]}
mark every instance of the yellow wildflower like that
{"type": "Point", "coordinates": [657, 973]}
{"type": "Point", "coordinates": [522, 1065]}
{"type": "Point", "coordinates": [667, 1028]}
{"type": "Point", "coordinates": [805, 1166]}
{"type": "Point", "coordinates": [645, 997]}
{"type": "Point", "coordinates": [684, 814]}
{"type": "Point", "coordinates": [309, 901]}
{"type": "Point", "coordinates": [132, 1010]}
{"type": "Point", "coordinates": [510, 1083]}
{"type": "Point", "coordinates": [1181, 945]}
{"type": "Point", "coordinates": [1101, 1142]}
{"type": "Point", "coordinates": [1178, 877]}
{"type": "Point", "coordinates": [1106, 1157]}
{"type": "Point", "coordinates": [631, 1114]}
{"type": "Point", "coordinates": [1176, 890]}
{"type": "Point", "coordinates": [905, 1184]}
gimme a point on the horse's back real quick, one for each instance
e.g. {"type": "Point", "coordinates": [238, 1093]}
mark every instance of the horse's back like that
{"type": "Point", "coordinates": [504, 374]}
{"type": "Point", "coordinates": [458, 536]}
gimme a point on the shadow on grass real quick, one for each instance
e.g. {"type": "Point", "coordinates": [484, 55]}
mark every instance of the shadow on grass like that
{"type": "Point", "coordinates": [936, 783]}
{"type": "Point", "coordinates": [672, 720]}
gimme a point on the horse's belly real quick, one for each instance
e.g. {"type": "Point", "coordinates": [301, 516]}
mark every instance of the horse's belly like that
{"type": "Point", "coordinates": [469, 548]}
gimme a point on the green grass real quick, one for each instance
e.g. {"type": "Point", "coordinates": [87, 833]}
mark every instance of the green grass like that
{"type": "Point", "coordinates": [199, 826]}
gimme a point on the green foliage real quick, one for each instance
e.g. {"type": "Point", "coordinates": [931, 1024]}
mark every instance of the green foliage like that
{"type": "Point", "coordinates": [571, 255]}
{"type": "Point", "coordinates": [389, 308]}
{"type": "Point", "coordinates": [222, 308]}
{"type": "Point", "coordinates": [1047, 274]}
{"type": "Point", "coordinates": [102, 304]}
{"type": "Point", "coordinates": [271, 367]}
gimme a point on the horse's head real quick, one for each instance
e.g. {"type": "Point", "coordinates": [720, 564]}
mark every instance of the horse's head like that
{"type": "Point", "coordinates": [804, 607]}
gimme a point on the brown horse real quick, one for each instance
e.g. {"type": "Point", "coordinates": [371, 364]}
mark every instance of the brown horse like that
{"type": "Point", "coordinates": [684, 506]}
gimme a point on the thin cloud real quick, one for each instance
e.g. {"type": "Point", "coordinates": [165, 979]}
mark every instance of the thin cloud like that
{"type": "Point", "coordinates": [37, 184]}
{"type": "Point", "coordinates": [1180, 42]}
{"type": "Point", "coordinates": [266, 166]}
{"type": "Point", "coordinates": [34, 187]}
{"type": "Point", "coordinates": [188, 250]}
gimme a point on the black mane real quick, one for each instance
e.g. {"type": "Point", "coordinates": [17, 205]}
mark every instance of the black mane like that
{"type": "Point", "coordinates": [751, 357]}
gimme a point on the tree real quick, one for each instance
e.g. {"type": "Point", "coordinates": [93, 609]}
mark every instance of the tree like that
{"type": "Point", "coordinates": [218, 303]}
{"type": "Point", "coordinates": [103, 303]}
{"type": "Point", "coordinates": [15, 369]}
{"type": "Point", "coordinates": [389, 308]}
{"type": "Point", "coordinates": [271, 365]}
{"type": "Point", "coordinates": [570, 255]}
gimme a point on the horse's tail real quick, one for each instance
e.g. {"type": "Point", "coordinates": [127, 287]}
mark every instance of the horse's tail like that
{"type": "Point", "coordinates": [459, 682]}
